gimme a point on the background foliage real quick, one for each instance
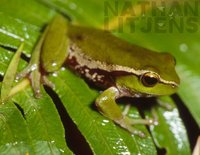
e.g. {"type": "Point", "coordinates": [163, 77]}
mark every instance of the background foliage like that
{"type": "Point", "coordinates": [43, 126]}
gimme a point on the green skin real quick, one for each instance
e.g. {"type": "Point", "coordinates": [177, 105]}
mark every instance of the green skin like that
{"type": "Point", "coordinates": [110, 54]}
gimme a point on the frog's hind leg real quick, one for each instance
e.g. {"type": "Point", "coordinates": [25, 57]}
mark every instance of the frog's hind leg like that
{"type": "Point", "coordinates": [32, 71]}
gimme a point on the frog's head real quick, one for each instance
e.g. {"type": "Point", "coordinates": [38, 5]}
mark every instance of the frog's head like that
{"type": "Point", "coordinates": [154, 79]}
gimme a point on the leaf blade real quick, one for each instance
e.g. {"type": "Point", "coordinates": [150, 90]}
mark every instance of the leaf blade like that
{"type": "Point", "coordinates": [77, 99]}
{"type": "Point", "coordinates": [10, 74]}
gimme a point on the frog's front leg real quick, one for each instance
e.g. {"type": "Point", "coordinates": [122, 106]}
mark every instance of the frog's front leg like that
{"type": "Point", "coordinates": [108, 107]}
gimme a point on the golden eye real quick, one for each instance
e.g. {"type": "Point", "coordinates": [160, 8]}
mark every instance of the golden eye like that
{"type": "Point", "coordinates": [149, 79]}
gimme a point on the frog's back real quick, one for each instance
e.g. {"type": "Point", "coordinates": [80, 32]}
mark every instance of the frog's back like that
{"type": "Point", "coordinates": [105, 47]}
{"type": "Point", "coordinates": [107, 50]}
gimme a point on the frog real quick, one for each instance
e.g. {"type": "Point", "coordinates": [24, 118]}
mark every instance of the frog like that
{"type": "Point", "coordinates": [120, 68]}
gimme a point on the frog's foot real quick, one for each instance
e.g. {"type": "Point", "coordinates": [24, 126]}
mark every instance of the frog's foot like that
{"type": "Point", "coordinates": [149, 121]}
{"type": "Point", "coordinates": [33, 74]}
{"type": "Point", "coordinates": [25, 72]}
{"type": "Point", "coordinates": [127, 124]}
{"type": "Point", "coordinates": [36, 79]}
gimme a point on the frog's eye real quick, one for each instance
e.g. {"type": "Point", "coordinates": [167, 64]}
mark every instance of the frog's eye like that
{"type": "Point", "coordinates": [149, 79]}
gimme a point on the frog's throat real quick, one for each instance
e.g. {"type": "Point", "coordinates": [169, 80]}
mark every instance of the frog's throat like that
{"type": "Point", "coordinates": [84, 60]}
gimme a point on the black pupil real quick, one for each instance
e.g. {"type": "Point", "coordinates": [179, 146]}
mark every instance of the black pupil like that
{"type": "Point", "coordinates": [149, 81]}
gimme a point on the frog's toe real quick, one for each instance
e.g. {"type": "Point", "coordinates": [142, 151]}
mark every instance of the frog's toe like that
{"type": "Point", "coordinates": [37, 93]}
{"type": "Point", "coordinates": [124, 123]}
{"type": "Point", "coordinates": [35, 79]}
{"type": "Point", "coordinates": [132, 121]}
{"type": "Point", "coordinates": [47, 82]}
{"type": "Point", "coordinates": [23, 73]}
{"type": "Point", "coordinates": [136, 132]}
{"type": "Point", "coordinates": [142, 121]}
{"type": "Point", "coordinates": [139, 133]}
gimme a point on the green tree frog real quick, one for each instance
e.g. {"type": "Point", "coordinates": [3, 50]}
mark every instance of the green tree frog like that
{"type": "Point", "coordinates": [119, 67]}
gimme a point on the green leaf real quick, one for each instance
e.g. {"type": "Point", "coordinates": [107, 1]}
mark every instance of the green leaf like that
{"type": "Point", "coordinates": [31, 12]}
{"type": "Point", "coordinates": [102, 135]}
{"type": "Point", "coordinates": [10, 74]}
{"type": "Point", "coordinates": [170, 132]}
{"type": "Point", "coordinates": [5, 58]}
{"type": "Point", "coordinates": [11, 122]}
{"type": "Point", "coordinates": [14, 31]}
{"type": "Point", "coordinates": [78, 98]}
{"type": "Point", "coordinates": [190, 85]}
{"type": "Point", "coordinates": [45, 137]}
{"type": "Point", "coordinates": [78, 11]}
{"type": "Point", "coordinates": [17, 24]}
{"type": "Point", "coordinates": [44, 123]}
